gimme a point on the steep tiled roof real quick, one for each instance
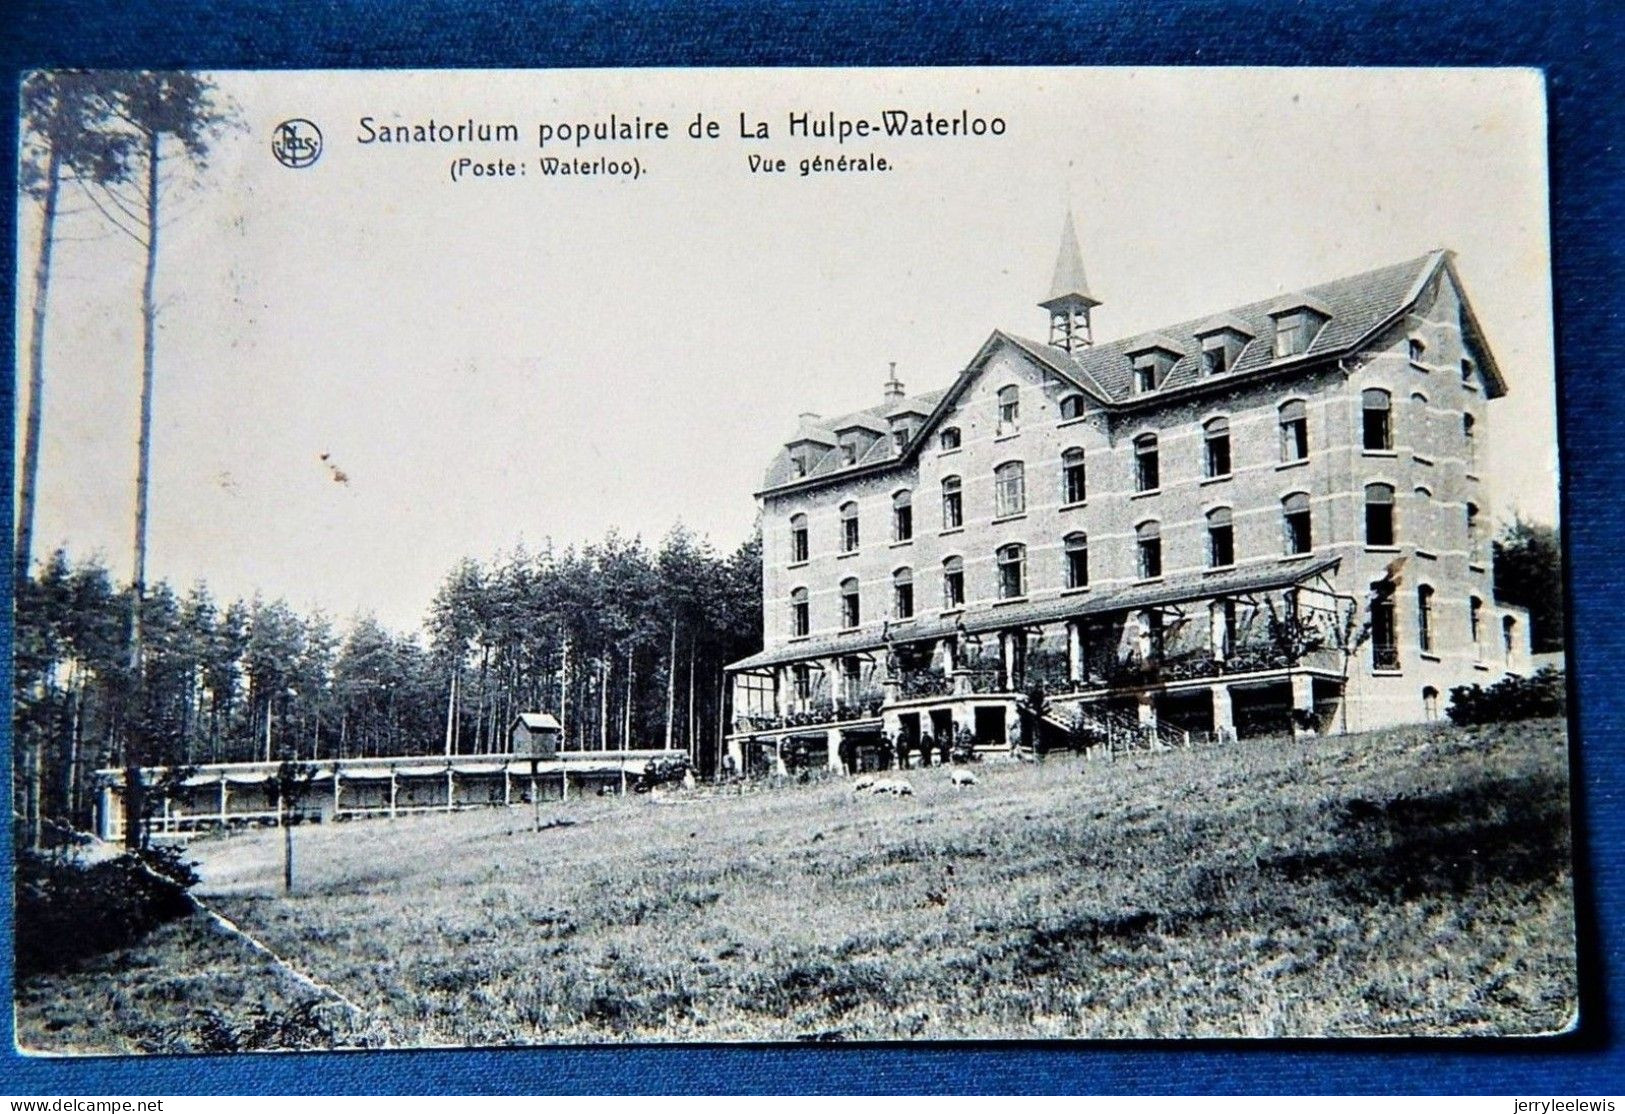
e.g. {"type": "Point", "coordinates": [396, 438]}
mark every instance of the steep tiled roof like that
{"type": "Point", "coordinates": [1164, 593]}
{"type": "Point", "coordinates": [1356, 305]}
{"type": "Point", "coordinates": [875, 419]}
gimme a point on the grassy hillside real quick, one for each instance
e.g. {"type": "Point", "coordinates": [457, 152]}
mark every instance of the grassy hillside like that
{"type": "Point", "coordinates": [1407, 882]}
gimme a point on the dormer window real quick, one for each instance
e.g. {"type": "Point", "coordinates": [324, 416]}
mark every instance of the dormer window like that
{"type": "Point", "coordinates": [1222, 342]}
{"type": "Point", "coordinates": [1295, 330]}
{"type": "Point", "coordinates": [1152, 361]}
{"type": "Point", "coordinates": [1145, 373]}
{"type": "Point", "coordinates": [1071, 407]}
{"type": "Point", "coordinates": [948, 439]}
{"type": "Point", "coordinates": [849, 453]}
{"type": "Point", "coordinates": [798, 464]}
{"type": "Point", "coordinates": [899, 439]}
{"type": "Point", "coordinates": [1416, 350]}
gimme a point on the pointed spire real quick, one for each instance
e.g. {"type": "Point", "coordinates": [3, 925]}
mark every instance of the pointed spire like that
{"type": "Point", "coordinates": [1069, 282]}
{"type": "Point", "coordinates": [1069, 300]}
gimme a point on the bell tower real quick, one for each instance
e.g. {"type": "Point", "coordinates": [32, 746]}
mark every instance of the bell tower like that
{"type": "Point", "coordinates": [1069, 300]}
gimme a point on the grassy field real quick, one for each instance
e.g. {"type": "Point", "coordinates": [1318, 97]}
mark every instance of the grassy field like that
{"type": "Point", "coordinates": [1405, 882]}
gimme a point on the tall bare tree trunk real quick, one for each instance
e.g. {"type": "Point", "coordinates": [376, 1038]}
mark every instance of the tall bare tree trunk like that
{"type": "Point", "coordinates": [671, 683]}
{"type": "Point", "coordinates": [135, 753]}
{"type": "Point", "coordinates": [36, 367]}
{"type": "Point", "coordinates": [631, 673]}
{"type": "Point", "coordinates": [603, 703]}
{"type": "Point", "coordinates": [722, 723]}
{"type": "Point", "coordinates": [564, 694]}
{"type": "Point", "coordinates": [693, 714]}
{"type": "Point", "coordinates": [451, 711]}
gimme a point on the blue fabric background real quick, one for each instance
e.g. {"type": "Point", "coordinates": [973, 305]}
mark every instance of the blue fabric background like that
{"type": "Point", "coordinates": [1577, 44]}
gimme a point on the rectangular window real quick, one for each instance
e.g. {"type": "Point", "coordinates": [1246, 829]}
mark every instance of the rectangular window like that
{"type": "Point", "coordinates": [1384, 630]}
{"type": "Point", "coordinates": [1424, 618]}
{"type": "Point", "coordinates": [1296, 526]}
{"type": "Point", "coordinates": [802, 681]}
{"type": "Point", "coordinates": [1148, 474]}
{"type": "Point", "coordinates": [1077, 565]}
{"type": "Point", "coordinates": [905, 600]}
{"type": "Point", "coordinates": [1074, 480]}
{"type": "Point", "coordinates": [849, 608]}
{"type": "Point", "coordinates": [849, 528]}
{"type": "Point", "coordinates": [903, 522]}
{"type": "Point", "coordinates": [1294, 433]}
{"type": "Point", "coordinates": [798, 544]}
{"type": "Point", "coordinates": [1217, 461]}
{"type": "Point", "coordinates": [953, 588]}
{"type": "Point", "coordinates": [1215, 357]}
{"type": "Point", "coordinates": [1010, 490]}
{"type": "Point", "coordinates": [953, 508]}
{"type": "Point", "coordinates": [1221, 547]}
{"type": "Point", "coordinates": [1150, 558]}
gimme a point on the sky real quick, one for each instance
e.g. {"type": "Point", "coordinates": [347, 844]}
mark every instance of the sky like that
{"type": "Point", "coordinates": [506, 360]}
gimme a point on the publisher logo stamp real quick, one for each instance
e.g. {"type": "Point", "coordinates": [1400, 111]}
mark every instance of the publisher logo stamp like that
{"type": "Point", "coordinates": [296, 143]}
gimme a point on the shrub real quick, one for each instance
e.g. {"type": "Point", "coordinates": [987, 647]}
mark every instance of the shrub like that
{"type": "Point", "coordinates": [1511, 698]}
{"type": "Point", "coordinates": [69, 910]}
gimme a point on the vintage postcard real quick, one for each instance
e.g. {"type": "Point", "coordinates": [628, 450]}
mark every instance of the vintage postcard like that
{"type": "Point", "coordinates": [596, 556]}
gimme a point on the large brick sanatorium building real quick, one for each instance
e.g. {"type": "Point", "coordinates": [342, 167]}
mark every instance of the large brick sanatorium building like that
{"type": "Point", "coordinates": [1269, 519]}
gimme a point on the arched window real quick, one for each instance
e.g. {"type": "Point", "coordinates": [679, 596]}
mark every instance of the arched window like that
{"type": "Point", "coordinates": [1467, 370]}
{"type": "Point", "coordinates": [849, 527]}
{"type": "Point", "coordinates": [1077, 560]}
{"type": "Point", "coordinates": [1509, 636]}
{"type": "Point", "coordinates": [1468, 434]}
{"type": "Point", "coordinates": [1221, 539]}
{"type": "Point", "coordinates": [1294, 431]}
{"type": "Point", "coordinates": [1379, 515]}
{"type": "Point", "coordinates": [1424, 617]}
{"type": "Point", "coordinates": [1379, 431]}
{"type": "Point", "coordinates": [1147, 472]}
{"type": "Point", "coordinates": [953, 506]}
{"type": "Point", "coordinates": [850, 613]}
{"type": "Point", "coordinates": [902, 517]}
{"type": "Point", "coordinates": [1297, 535]}
{"type": "Point", "coordinates": [1148, 538]}
{"type": "Point", "coordinates": [1417, 350]}
{"type": "Point", "coordinates": [1216, 447]}
{"type": "Point", "coordinates": [1071, 407]}
{"type": "Point", "coordinates": [1430, 702]}
{"type": "Point", "coordinates": [1012, 571]}
{"type": "Point", "coordinates": [902, 590]}
{"type": "Point", "coordinates": [953, 583]}
{"type": "Point", "coordinates": [1009, 408]}
{"type": "Point", "coordinates": [1009, 489]}
{"type": "Point", "coordinates": [800, 621]}
{"type": "Point", "coordinates": [798, 538]}
{"type": "Point", "coordinates": [1074, 480]}
{"type": "Point", "coordinates": [948, 439]}
{"type": "Point", "coordinates": [1475, 625]}
{"type": "Point", "coordinates": [1472, 532]}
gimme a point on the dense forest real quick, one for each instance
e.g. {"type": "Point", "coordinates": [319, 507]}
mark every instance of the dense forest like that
{"type": "Point", "coordinates": [624, 644]}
